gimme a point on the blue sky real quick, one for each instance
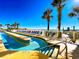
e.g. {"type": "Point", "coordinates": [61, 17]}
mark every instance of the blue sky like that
{"type": "Point", "coordinates": [29, 12]}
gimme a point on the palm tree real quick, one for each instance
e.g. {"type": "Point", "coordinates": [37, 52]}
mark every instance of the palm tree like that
{"type": "Point", "coordinates": [15, 25]}
{"type": "Point", "coordinates": [18, 25]}
{"type": "Point", "coordinates": [0, 25]}
{"type": "Point", "coordinates": [75, 12]}
{"type": "Point", "coordinates": [8, 26]}
{"type": "Point", "coordinates": [12, 26]}
{"type": "Point", "coordinates": [47, 16]}
{"type": "Point", "coordinates": [59, 4]}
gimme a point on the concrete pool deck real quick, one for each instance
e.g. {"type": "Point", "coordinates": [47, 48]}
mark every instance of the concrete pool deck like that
{"type": "Point", "coordinates": [5, 54]}
{"type": "Point", "coordinates": [73, 49]}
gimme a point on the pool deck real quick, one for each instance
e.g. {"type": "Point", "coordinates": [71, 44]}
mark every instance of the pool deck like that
{"type": "Point", "coordinates": [72, 51]}
{"type": "Point", "coordinates": [72, 48]}
{"type": "Point", "coordinates": [5, 54]}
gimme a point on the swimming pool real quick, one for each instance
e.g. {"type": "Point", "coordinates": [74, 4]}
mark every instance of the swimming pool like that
{"type": "Point", "coordinates": [11, 44]}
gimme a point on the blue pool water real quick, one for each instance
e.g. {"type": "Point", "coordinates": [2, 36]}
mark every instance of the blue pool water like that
{"type": "Point", "coordinates": [11, 44]}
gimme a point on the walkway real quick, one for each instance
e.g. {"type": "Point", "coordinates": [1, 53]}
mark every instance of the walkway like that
{"type": "Point", "coordinates": [73, 49]}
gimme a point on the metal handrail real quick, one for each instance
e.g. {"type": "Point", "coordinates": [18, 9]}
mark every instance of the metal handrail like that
{"type": "Point", "coordinates": [48, 46]}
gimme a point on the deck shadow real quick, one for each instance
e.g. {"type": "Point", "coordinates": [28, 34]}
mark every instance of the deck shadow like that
{"type": "Point", "coordinates": [6, 53]}
{"type": "Point", "coordinates": [75, 53]}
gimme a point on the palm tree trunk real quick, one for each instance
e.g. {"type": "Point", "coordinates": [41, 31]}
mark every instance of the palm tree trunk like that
{"type": "Point", "coordinates": [14, 26]}
{"type": "Point", "coordinates": [59, 20]}
{"type": "Point", "coordinates": [48, 26]}
{"type": "Point", "coordinates": [7, 26]}
{"type": "Point", "coordinates": [17, 26]}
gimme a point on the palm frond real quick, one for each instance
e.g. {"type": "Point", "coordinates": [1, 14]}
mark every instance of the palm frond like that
{"type": "Point", "coordinates": [63, 5]}
{"type": "Point", "coordinates": [47, 13]}
{"type": "Point", "coordinates": [64, 0]}
{"type": "Point", "coordinates": [76, 9]}
{"type": "Point", "coordinates": [51, 16]}
{"type": "Point", "coordinates": [43, 17]}
{"type": "Point", "coordinates": [78, 18]}
{"type": "Point", "coordinates": [54, 3]}
{"type": "Point", "coordinates": [57, 2]}
{"type": "Point", "coordinates": [72, 14]}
